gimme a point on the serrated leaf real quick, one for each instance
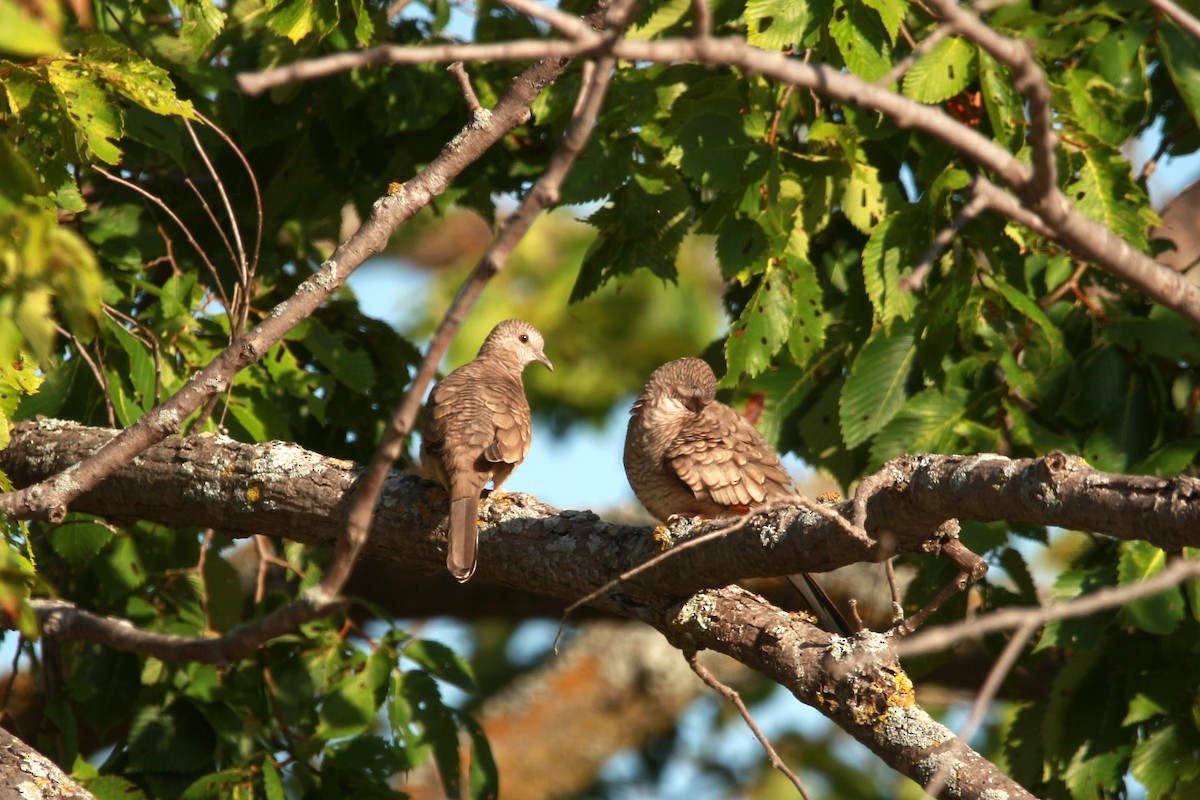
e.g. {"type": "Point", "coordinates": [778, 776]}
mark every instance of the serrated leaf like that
{"type": "Point", "coordinates": [113, 787]}
{"type": "Point", "coordinates": [1100, 109]}
{"type": "Point", "coordinates": [1157, 760]}
{"type": "Point", "coordinates": [441, 662]}
{"type": "Point", "coordinates": [762, 327]}
{"type": "Point", "coordinates": [96, 119]}
{"type": "Point", "coordinates": [1160, 613]}
{"type": "Point", "coordinates": [132, 76]}
{"type": "Point", "coordinates": [78, 541]}
{"type": "Point", "coordinates": [888, 251]}
{"type": "Point", "coordinates": [484, 777]}
{"type": "Point", "coordinates": [1104, 191]}
{"type": "Point", "coordinates": [661, 17]}
{"type": "Point", "coordinates": [741, 249]}
{"type": "Point", "coordinates": [780, 24]}
{"type": "Point", "coordinates": [349, 709]}
{"type": "Point", "coordinates": [926, 423]}
{"type": "Point", "coordinates": [351, 366]}
{"type": "Point", "coordinates": [1005, 106]}
{"type": "Point", "coordinates": [876, 383]}
{"type": "Point", "coordinates": [1025, 306]}
{"type": "Point", "coordinates": [715, 151]}
{"type": "Point", "coordinates": [1018, 570]}
{"type": "Point", "coordinates": [1183, 64]}
{"type": "Point", "coordinates": [891, 13]}
{"type": "Point", "coordinates": [272, 783]}
{"type": "Point", "coordinates": [175, 738]}
{"type": "Point", "coordinates": [202, 21]}
{"type": "Point", "coordinates": [861, 39]}
{"type": "Point", "coordinates": [655, 213]}
{"type": "Point", "coordinates": [141, 371]}
{"type": "Point", "coordinates": [437, 723]}
{"type": "Point", "coordinates": [806, 335]}
{"type": "Point", "coordinates": [1096, 774]}
{"type": "Point", "coordinates": [943, 72]}
{"type": "Point", "coordinates": [865, 202]}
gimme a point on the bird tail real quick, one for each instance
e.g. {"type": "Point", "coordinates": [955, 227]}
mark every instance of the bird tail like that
{"type": "Point", "coordinates": [821, 604]}
{"type": "Point", "coordinates": [463, 537]}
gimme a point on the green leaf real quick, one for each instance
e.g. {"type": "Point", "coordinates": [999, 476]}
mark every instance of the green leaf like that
{"type": "Point", "coordinates": [715, 151]}
{"type": "Point", "coordinates": [113, 787]}
{"type": "Point", "coordinates": [1101, 110]}
{"type": "Point", "coordinates": [1018, 570]}
{"type": "Point", "coordinates": [132, 76]}
{"type": "Point", "coordinates": [437, 723]}
{"type": "Point", "coordinates": [761, 328]}
{"type": "Point", "coordinates": [891, 13]}
{"type": "Point", "coordinates": [350, 708]}
{"type": "Point", "coordinates": [1160, 613]}
{"type": "Point", "coordinates": [78, 540]}
{"type": "Point", "coordinates": [442, 662]}
{"type": "Point", "coordinates": [1162, 760]}
{"type": "Point", "coordinates": [484, 777]}
{"type": "Point", "coordinates": [806, 335]}
{"type": "Point", "coordinates": [1005, 106]}
{"type": "Point", "coordinates": [272, 783]}
{"type": "Point", "coordinates": [947, 69]}
{"type": "Point", "coordinates": [97, 120]}
{"type": "Point", "coordinates": [174, 738]}
{"type": "Point", "coordinates": [861, 39]}
{"type": "Point", "coordinates": [641, 227]}
{"type": "Point", "coordinates": [866, 200]}
{"type": "Point", "coordinates": [223, 591]}
{"type": "Point", "coordinates": [926, 423]}
{"type": "Point", "coordinates": [1025, 306]}
{"type": "Point", "coordinates": [22, 34]}
{"type": "Point", "coordinates": [202, 22]}
{"type": "Point", "coordinates": [876, 384]}
{"type": "Point", "coordinates": [351, 366]}
{"type": "Point", "coordinates": [780, 24]}
{"type": "Point", "coordinates": [1104, 191]}
{"type": "Point", "coordinates": [1094, 774]}
{"type": "Point", "coordinates": [1183, 64]}
{"type": "Point", "coordinates": [892, 249]}
{"type": "Point", "coordinates": [662, 16]}
{"type": "Point", "coordinates": [141, 372]}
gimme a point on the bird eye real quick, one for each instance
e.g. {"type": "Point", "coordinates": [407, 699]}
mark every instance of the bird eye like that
{"type": "Point", "coordinates": [524, 337]}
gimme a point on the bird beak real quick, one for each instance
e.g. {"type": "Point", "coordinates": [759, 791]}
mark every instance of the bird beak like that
{"type": "Point", "coordinates": [542, 358]}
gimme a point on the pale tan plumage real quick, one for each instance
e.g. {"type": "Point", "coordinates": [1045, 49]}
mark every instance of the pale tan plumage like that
{"type": "Point", "coordinates": [688, 455]}
{"type": "Point", "coordinates": [477, 428]}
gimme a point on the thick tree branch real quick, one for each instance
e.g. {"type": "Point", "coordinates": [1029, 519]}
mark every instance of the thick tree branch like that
{"type": "Point", "coordinates": [279, 489]}
{"type": "Point", "coordinates": [26, 773]}
{"type": "Point", "coordinates": [282, 490]}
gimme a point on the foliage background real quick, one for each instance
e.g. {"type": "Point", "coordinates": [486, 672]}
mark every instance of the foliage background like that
{"type": "Point", "coordinates": [791, 218]}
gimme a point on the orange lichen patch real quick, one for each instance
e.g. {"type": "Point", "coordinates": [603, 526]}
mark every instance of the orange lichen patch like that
{"type": "Point", "coordinates": [395, 188]}
{"type": "Point", "coordinates": [253, 493]}
{"type": "Point", "coordinates": [828, 498]}
{"type": "Point", "coordinates": [903, 694]}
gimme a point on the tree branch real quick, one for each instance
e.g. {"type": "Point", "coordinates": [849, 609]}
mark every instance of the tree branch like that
{"type": "Point", "coordinates": [1036, 186]}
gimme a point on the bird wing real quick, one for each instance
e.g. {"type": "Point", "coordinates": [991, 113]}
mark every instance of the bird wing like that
{"type": "Point", "coordinates": [724, 459]}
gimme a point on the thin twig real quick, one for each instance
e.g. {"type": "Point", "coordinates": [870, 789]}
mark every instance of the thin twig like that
{"type": "Point", "coordinates": [703, 24]}
{"type": "Point", "coordinates": [942, 637]}
{"type": "Point", "coordinates": [464, 83]}
{"type": "Point", "coordinates": [732, 695]}
{"type": "Point", "coordinates": [903, 65]}
{"type": "Point", "coordinates": [167, 209]}
{"type": "Point", "coordinates": [542, 194]}
{"type": "Point", "coordinates": [915, 280]}
{"type": "Point", "coordinates": [101, 378]}
{"type": "Point", "coordinates": [889, 569]}
{"type": "Point", "coordinates": [987, 694]}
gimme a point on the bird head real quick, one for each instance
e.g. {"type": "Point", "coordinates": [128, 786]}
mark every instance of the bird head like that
{"type": "Point", "coordinates": [518, 340]}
